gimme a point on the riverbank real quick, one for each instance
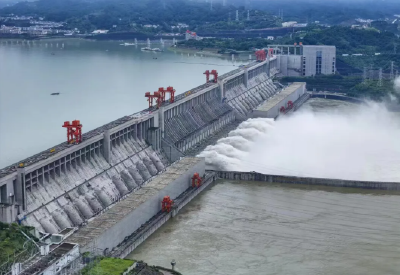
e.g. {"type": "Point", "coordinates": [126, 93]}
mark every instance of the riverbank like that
{"type": "Point", "coordinates": [210, 52]}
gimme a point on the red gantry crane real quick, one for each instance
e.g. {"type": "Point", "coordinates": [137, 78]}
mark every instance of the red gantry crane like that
{"type": "Point", "coordinates": [74, 131]}
{"type": "Point", "coordinates": [214, 73]}
{"type": "Point", "coordinates": [160, 95]}
{"type": "Point", "coordinates": [150, 98]}
{"type": "Point", "coordinates": [261, 55]}
{"type": "Point", "coordinates": [171, 92]}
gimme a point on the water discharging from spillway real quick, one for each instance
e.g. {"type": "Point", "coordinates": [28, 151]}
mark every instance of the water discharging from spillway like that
{"type": "Point", "coordinates": [355, 142]}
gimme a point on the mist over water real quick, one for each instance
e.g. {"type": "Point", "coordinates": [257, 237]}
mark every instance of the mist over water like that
{"type": "Point", "coordinates": [350, 142]}
{"type": "Point", "coordinates": [397, 84]}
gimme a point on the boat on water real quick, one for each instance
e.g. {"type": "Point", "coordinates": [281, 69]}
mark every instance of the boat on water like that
{"type": "Point", "coordinates": [128, 44]}
{"type": "Point", "coordinates": [148, 49]}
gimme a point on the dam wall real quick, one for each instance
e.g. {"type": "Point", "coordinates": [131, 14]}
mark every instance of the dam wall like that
{"type": "Point", "coordinates": [253, 176]}
{"type": "Point", "coordinates": [117, 223]}
{"type": "Point", "coordinates": [68, 184]}
{"type": "Point", "coordinates": [82, 180]}
{"type": "Point", "coordinates": [205, 110]}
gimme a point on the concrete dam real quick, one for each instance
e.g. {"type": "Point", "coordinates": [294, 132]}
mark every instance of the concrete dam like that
{"type": "Point", "coordinates": [67, 185]}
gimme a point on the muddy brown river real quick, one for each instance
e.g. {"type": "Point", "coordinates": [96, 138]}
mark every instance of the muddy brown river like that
{"type": "Point", "coordinates": [260, 228]}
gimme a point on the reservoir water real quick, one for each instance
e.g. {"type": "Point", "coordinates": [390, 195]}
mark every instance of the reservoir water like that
{"type": "Point", "coordinates": [98, 82]}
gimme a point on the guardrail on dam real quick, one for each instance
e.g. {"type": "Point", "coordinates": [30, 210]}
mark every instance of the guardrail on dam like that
{"type": "Point", "coordinates": [253, 176]}
{"type": "Point", "coordinates": [68, 184]}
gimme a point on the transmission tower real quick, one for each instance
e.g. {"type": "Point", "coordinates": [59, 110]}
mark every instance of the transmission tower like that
{"type": "Point", "coordinates": [248, 15]}
{"type": "Point", "coordinates": [211, 4]}
{"type": "Point", "coordinates": [380, 78]}
{"type": "Point", "coordinates": [237, 15]}
{"type": "Point", "coordinates": [392, 71]}
{"type": "Point", "coordinates": [397, 73]}
{"type": "Point", "coordinates": [365, 75]}
{"type": "Point", "coordinates": [224, 3]}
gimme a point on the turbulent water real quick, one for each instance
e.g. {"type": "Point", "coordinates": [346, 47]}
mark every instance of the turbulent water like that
{"type": "Point", "coordinates": [242, 228]}
{"type": "Point", "coordinates": [325, 139]}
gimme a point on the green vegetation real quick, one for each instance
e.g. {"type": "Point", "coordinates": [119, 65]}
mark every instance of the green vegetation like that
{"type": "Point", "coordinates": [353, 86]}
{"type": "Point", "coordinates": [331, 12]}
{"type": "Point", "coordinates": [377, 61]}
{"type": "Point", "coordinates": [12, 240]}
{"type": "Point", "coordinates": [127, 15]}
{"type": "Point", "coordinates": [350, 41]}
{"type": "Point", "coordinates": [107, 266]}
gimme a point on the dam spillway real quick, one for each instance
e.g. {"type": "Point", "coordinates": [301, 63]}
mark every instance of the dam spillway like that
{"type": "Point", "coordinates": [68, 185]}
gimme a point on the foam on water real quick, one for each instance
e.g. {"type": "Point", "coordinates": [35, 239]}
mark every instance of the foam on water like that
{"type": "Point", "coordinates": [359, 142]}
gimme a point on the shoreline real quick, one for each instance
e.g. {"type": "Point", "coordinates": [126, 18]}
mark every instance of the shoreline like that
{"type": "Point", "coordinates": [208, 52]}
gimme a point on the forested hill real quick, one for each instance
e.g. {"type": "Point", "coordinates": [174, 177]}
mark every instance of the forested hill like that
{"type": "Point", "coordinates": [129, 15]}
{"type": "Point", "coordinates": [332, 12]}
{"type": "Point", "coordinates": [351, 41]}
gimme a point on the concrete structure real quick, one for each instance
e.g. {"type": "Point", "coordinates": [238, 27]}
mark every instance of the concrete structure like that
{"type": "Point", "coordinates": [62, 259]}
{"type": "Point", "coordinates": [271, 108]}
{"type": "Point", "coordinates": [305, 60]}
{"type": "Point", "coordinates": [145, 231]}
{"type": "Point", "coordinates": [66, 185]}
{"type": "Point", "coordinates": [109, 229]}
{"type": "Point", "coordinates": [254, 176]}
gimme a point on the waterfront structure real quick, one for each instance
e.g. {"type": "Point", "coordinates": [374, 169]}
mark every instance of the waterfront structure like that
{"type": "Point", "coordinates": [281, 102]}
{"type": "Point", "coordinates": [133, 161]}
{"type": "Point", "coordinates": [68, 184]}
{"type": "Point", "coordinates": [305, 60]}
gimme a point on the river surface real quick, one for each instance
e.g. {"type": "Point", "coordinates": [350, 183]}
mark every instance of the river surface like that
{"type": "Point", "coordinates": [260, 228]}
{"type": "Point", "coordinates": [98, 82]}
{"type": "Point", "coordinates": [243, 228]}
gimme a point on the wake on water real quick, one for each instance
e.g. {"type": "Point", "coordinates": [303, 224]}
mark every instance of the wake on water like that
{"type": "Point", "coordinates": [361, 143]}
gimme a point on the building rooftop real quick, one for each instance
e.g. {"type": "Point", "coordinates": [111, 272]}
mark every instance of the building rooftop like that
{"type": "Point", "coordinates": [113, 215]}
{"type": "Point", "coordinates": [281, 96]}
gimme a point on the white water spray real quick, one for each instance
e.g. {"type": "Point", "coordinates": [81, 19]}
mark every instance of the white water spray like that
{"type": "Point", "coordinates": [360, 143]}
{"type": "Point", "coordinates": [397, 85]}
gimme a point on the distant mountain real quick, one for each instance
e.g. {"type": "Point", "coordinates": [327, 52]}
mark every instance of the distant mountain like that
{"type": "Point", "coordinates": [131, 15]}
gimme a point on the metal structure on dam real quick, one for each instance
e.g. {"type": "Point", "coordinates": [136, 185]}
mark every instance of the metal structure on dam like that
{"type": "Point", "coordinates": [67, 185]}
